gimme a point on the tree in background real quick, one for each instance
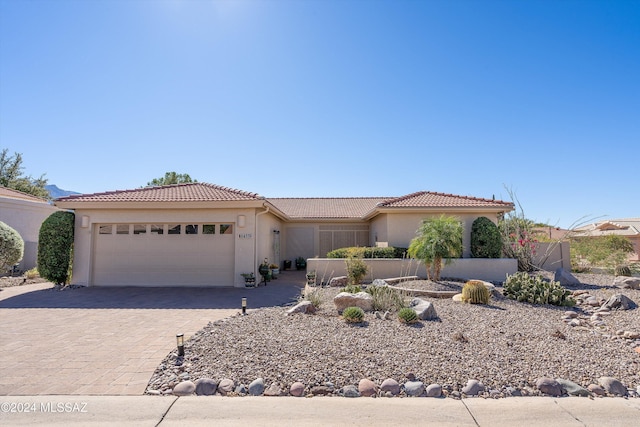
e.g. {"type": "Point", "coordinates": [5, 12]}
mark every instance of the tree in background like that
{"type": "Point", "coordinates": [437, 239]}
{"type": "Point", "coordinates": [55, 244]}
{"type": "Point", "coordinates": [11, 176]}
{"type": "Point", "coordinates": [11, 247]}
{"type": "Point", "coordinates": [171, 178]}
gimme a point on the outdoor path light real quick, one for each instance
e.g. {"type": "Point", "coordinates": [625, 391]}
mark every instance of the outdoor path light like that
{"type": "Point", "coordinates": [180, 340]}
{"type": "Point", "coordinates": [244, 306]}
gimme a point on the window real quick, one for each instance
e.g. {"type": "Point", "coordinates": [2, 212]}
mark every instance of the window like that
{"type": "Point", "coordinates": [175, 229]}
{"type": "Point", "coordinates": [209, 229]}
{"type": "Point", "coordinates": [191, 229]}
{"type": "Point", "coordinates": [106, 229]}
{"type": "Point", "coordinates": [226, 229]}
{"type": "Point", "coordinates": [139, 228]}
{"type": "Point", "coordinates": [157, 228]}
{"type": "Point", "coordinates": [122, 229]}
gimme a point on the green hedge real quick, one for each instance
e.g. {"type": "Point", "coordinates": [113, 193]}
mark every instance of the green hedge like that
{"type": "Point", "coordinates": [368, 252]}
{"type": "Point", "coordinates": [11, 247]}
{"type": "Point", "coordinates": [55, 244]}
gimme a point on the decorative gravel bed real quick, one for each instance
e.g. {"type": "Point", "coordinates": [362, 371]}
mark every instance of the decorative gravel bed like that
{"type": "Point", "coordinates": [506, 346]}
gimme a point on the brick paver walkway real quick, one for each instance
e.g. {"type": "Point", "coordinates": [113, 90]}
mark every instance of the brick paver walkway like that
{"type": "Point", "coordinates": [108, 341]}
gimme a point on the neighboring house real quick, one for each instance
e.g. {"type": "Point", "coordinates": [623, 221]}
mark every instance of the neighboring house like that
{"type": "Point", "coordinates": [628, 227]}
{"type": "Point", "coordinates": [202, 234]}
{"type": "Point", "coordinates": [25, 213]}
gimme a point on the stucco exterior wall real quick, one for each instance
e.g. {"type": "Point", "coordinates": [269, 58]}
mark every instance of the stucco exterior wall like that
{"type": "Point", "coordinates": [269, 232]}
{"type": "Point", "coordinates": [492, 270]}
{"type": "Point", "coordinates": [26, 217]}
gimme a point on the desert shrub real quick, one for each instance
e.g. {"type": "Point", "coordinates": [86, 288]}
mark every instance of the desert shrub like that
{"type": "Point", "coordinates": [407, 315]}
{"type": "Point", "coordinates": [11, 247]}
{"type": "Point", "coordinates": [367, 252]}
{"type": "Point", "coordinates": [356, 270]}
{"type": "Point", "coordinates": [314, 298]}
{"type": "Point", "coordinates": [622, 270]}
{"type": "Point", "coordinates": [486, 241]}
{"type": "Point", "coordinates": [32, 274]}
{"type": "Point", "coordinates": [353, 314]}
{"type": "Point", "coordinates": [55, 244]}
{"type": "Point", "coordinates": [609, 251]}
{"type": "Point", "coordinates": [352, 289]}
{"type": "Point", "coordinates": [386, 298]}
{"type": "Point", "coordinates": [475, 292]}
{"type": "Point", "coordinates": [534, 289]}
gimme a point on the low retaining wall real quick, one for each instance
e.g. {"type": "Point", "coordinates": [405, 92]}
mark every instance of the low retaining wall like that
{"type": "Point", "coordinates": [490, 270]}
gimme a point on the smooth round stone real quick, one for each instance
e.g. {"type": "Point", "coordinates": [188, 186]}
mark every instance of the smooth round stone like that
{"type": "Point", "coordinates": [206, 387]}
{"type": "Point", "coordinates": [185, 388]}
{"type": "Point", "coordinates": [390, 386]}
{"type": "Point", "coordinates": [434, 390]}
{"type": "Point", "coordinates": [414, 388]}
{"type": "Point", "coordinates": [473, 387]}
{"type": "Point", "coordinates": [297, 389]}
{"type": "Point", "coordinates": [367, 388]}
{"type": "Point", "coordinates": [350, 391]}
{"type": "Point", "coordinates": [226, 386]}
{"type": "Point", "coordinates": [256, 388]}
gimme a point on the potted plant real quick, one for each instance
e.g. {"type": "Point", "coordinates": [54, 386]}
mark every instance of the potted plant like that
{"type": "Point", "coordinates": [286, 264]}
{"type": "Point", "coordinates": [265, 271]}
{"type": "Point", "coordinates": [301, 263]}
{"type": "Point", "coordinates": [275, 270]}
{"type": "Point", "coordinates": [311, 278]}
{"type": "Point", "coordinates": [249, 279]}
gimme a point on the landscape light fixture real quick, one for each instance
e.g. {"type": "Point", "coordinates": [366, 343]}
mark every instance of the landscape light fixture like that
{"type": "Point", "coordinates": [180, 340]}
{"type": "Point", "coordinates": [244, 306]}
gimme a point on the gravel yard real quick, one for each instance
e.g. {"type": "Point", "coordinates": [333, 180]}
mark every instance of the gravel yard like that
{"type": "Point", "coordinates": [506, 345]}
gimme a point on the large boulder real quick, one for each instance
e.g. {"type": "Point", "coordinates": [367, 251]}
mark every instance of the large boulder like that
{"type": "Point", "coordinates": [424, 309]}
{"type": "Point", "coordinates": [619, 301]}
{"type": "Point", "coordinates": [572, 388]}
{"type": "Point", "coordinates": [565, 277]}
{"type": "Point", "coordinates": [206, 387]}
{"type": "Point", "coordinates": [361, 299]}
{"type": "Point", "coordinates": [473, 388]}
{"type": "Point", "coordinates": [626, 282]}
{"type": "Point", "coordinates": [549, 386]}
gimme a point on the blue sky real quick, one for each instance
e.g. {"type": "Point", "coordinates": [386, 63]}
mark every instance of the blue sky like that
{"type": "Point", "coordinates": [332, 98]}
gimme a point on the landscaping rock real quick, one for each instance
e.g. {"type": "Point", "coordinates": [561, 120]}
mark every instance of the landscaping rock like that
{"type": "Point", "coordinates": [206, 387]}
{"type": "Point", "coordinates": [596, 389]}
{"type": "Point", "coordinates": [512, 391]}
{"type": "Point", "coordinates": [433, 390]}
{"type": "Point", "coordinates": [390, 386]}
{"type": "Point", "coordinates": [457, 298]}
{"type": "Point", "coordinates": [612, 386]}
{"type": "Point", "coordinates": [424, 309]}
{"type": "Point", "coordinates": [367, 388]}
{"type": "Point", "coordinates": [565, 278]}
{"type": "Point", "coordinates": [414, 388]}
{"type": "Point", "coordinates": [185, 388]}
{"type": "Point", "coordinates": [361, 299]}
{"type": "Point", "coordinates": [549, 386]}
{"type": "Point", "coordinates": [256, 388]}
{"type": "Point", "coordinates": [379, 282]}
{"type": "Point", "coordinates": [273, 390]}
{"type": "Point", "coordinates": [350, 391]}
{"type": "Point", "coordinates": [572, 388]}
{"type": "Point", "coordinates": [473, 387]}
{"type": "Point", "coordinates": [305, 307]}
{"type": "Point", "coordinates": [297, 389]}
{"type": "Point", "coordinates": [619, 302]}
{"type": "Point", "coordinates": [241, 390]}
{"type": "Point", "coordinates": [226, 386]}
{"type": "Point", "coordinates": [339, 282]}
{"type": "Point", "coordinates": [320, 390]}
{"type": "Point", "coordinates": [626, 282]}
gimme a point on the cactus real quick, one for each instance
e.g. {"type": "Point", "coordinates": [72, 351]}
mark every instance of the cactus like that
{"type": "Point", "coordinates": [622, 270]}
{"type": "Point", "coordinates": [407, 315]}
{"type": "Point", "coordinates": [475, 292]}
{"type": "Point", "coordinates": [535, 290]}
{"type": "Point", "coordinates": [353, 314]}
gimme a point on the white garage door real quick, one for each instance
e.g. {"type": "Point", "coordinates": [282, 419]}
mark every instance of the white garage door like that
{"type": "Point", "coordinates": [163, 255]}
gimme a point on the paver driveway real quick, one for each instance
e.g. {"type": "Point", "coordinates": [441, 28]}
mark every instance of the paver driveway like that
{"type": "Point", "coordinates": [108, 341]}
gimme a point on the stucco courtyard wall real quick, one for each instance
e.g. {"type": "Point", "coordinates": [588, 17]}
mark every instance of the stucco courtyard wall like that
{"type": "Point", "coordinates": [493, 270]}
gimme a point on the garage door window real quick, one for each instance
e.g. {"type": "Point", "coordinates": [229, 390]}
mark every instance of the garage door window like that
{"type": "Point", "coordinates": [157, 228]}
{"type": "Point", "coordinates": [209, 229]}
{"type": "Point", "coordinates": [226, 229]}
{"type": "Point", "coordinates": [106, 229]}
{"type": "Point", "coordinates": [175, 228]}
{"type": "Point", "coordinates": [139, 228]}
{"type": "Point", "coordinates": [122, 229]}
{"type": "Point", "coordinates": [191, 229]}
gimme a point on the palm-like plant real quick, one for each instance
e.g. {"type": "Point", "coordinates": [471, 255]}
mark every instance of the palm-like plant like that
{"type": "Point", "coordinates": [437, 239]}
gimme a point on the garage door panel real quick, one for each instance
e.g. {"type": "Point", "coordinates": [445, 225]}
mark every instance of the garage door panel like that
{"type": "Point", "coordinates": [163, 260]}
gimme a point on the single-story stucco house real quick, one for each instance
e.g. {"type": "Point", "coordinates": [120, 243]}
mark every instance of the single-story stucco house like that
{"type": "Point", "coordinates": [625, 227]}
{"type": "Point", "coordinates": [201, 234]}
{"type": "Point", "coordinates": [25, 214]}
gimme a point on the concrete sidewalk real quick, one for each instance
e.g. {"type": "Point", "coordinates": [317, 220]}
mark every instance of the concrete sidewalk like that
{"type": "Point", "coordinates": [327, 411]}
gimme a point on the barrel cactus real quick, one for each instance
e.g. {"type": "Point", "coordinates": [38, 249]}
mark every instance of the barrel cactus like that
{"type": "Point", "coordinates": [622, 270]}
{"type": "Point", "coordinates": [353, 314]}
{"type": "Point", "coordinates": [475, 292]}
{"type": "Point", "coordinates": [407, 315]}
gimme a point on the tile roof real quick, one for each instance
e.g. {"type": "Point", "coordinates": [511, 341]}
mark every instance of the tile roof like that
{"type": "Point", "coordinates": [19, 195]}
{"type": "Point", "coordinates": [351, 207]}
{"type": "Point", "coordinates": [429, 199]}
{"type": "Point", "coordinates": [192, 192]}
{"type": "Point", "coordinates": [622, 227]}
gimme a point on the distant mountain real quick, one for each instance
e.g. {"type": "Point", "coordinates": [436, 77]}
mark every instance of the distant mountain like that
{"type": "Point", "coordinates": [56, 192]}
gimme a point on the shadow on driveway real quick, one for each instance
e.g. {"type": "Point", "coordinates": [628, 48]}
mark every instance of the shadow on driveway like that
{"type": "Point", "coordinates": [277, 293]}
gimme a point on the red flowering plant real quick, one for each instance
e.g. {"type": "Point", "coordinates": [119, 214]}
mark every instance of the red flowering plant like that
{"type": "Point", "coordinates": [518, 238]}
